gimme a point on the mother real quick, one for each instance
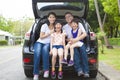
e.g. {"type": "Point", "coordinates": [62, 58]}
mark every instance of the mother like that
{"type": "Point", "coordinates": [42, 46]}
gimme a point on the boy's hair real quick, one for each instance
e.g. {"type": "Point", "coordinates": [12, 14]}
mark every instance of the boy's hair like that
{"type": "Point", "coordinates": [75, 20]}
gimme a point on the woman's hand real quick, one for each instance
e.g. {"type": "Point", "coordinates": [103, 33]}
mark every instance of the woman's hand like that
{"type": "Point", "coordinates": [51, 31]}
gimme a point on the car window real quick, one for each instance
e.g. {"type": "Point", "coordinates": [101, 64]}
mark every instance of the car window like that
{"type": "Point", "coordinates": [80, 5]}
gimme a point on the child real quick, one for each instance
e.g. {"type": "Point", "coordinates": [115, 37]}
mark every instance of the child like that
{"type": "Point", "coordinates": [75, 32]}
{"type": "Point", "coordinates": [57, 47]}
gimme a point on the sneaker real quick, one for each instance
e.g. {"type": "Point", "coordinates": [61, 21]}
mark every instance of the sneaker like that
{"type": "Point", "coordinates": [60, 75]}
{"type": "Point", "coordinates": [86, 75]}
{"type": "Point", "coordinates": [80, 73]}
{"type": "Point", "coordinates": [36, 77]}
{"type": "Point", "coordinates": [64, 61]}
{"type": "Point", "coordinates": [71, 63]}
{"type": "Point", "coordinates": [53, 75]}
{"type": "Point", "coordinates": [46, 74]}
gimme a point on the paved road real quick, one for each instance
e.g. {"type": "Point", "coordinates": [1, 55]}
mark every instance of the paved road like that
{"type": "Point", "coordinates": [11, 66]}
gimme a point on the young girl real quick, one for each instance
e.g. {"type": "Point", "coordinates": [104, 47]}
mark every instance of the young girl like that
{"type": "Point", "coordinates": [75, 32]}
{"type": "Point", "coordinates": [57, 46]}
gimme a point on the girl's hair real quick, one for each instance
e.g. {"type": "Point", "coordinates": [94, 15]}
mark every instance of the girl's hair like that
{"type": "Point", "coordinates": [58, 21]}
{"type": "Point", "coordinates": [50, 13]}
{"type": "Point", "coordinates": [75, 20]}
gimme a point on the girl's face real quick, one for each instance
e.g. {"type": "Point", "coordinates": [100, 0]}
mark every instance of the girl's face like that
{"type": "Point", "coordinates": [51, 18]}
{"type": "Point", "coordinates": [58, 27]}
{"type": "Point", "coordinates": [74, 25]}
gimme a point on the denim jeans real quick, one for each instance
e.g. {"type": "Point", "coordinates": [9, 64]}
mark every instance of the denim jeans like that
{"type": "Point", "coordinates": [41, 51]}
{"type": "Point", "coordinates": [81, 59]}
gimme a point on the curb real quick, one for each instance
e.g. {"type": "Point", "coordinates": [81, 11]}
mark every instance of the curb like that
{"type": "Point", "coordinates": [108, 72]}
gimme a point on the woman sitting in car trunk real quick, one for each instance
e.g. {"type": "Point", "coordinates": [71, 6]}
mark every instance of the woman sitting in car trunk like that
{"type": "Point", "coordinates": [42, 47]}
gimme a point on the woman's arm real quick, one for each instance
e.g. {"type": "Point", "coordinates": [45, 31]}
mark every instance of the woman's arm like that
{"type": "Point", "coordinates": [43, 35]}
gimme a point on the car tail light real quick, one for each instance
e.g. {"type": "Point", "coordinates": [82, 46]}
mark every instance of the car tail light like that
{"type": "Point", "coordinates": [27, 60]}
{"type": "Point", "coordinates": [92, 36]}
{"type": "Point", "coordinates": [27, 36]}
{"type": "Point", "coordinates": [92, 61]}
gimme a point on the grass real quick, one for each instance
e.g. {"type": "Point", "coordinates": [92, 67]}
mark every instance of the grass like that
{"type": "Point", "coordinates": [111, 57]}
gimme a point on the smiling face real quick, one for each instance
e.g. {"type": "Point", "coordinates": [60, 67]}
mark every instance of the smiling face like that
{"type": "Point", "coordinates": [74, 25]}
{"type": "Point", "coordinates": [58, 27]}
{"type": "Point", "coordinates": [68, 18]}
{"type": "Point", "coordinates": [51, 18]}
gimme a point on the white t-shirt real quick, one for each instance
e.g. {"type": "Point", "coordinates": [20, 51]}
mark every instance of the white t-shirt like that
{"type": "Point", "coordinates": [67, 29]}
{"type": "Point", "coordinates": [45, 29]}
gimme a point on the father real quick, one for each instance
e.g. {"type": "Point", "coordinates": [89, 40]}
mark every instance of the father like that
{"type": "Point", "coordinates": [80, 56]}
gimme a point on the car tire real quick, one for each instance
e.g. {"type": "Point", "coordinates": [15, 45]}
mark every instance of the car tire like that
{"type": "Point", "coordinates": [93, 73]}
{"type": "Point", "coordinates": [28, 73]}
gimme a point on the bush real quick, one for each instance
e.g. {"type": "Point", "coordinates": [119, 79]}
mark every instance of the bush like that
{"type": "Point", "coordinates": [114, 41]}
{"type": "Point", "coordinates": [3, 42]}
{"type": "Point", "coordinates": [17, 42]}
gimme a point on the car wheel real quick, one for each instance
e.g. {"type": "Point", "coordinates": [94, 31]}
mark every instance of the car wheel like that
{"type": "Point", "coordinates": [93, 73]}
{"type": "Point", "coordinates": [28, 73]}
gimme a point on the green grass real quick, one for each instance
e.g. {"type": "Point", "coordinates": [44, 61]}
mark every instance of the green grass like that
{"type": "Point", "coordinates": [111, 57]}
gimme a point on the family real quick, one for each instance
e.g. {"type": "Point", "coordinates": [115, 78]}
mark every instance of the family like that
{"type": "Point", "coordinates": [52, 41]}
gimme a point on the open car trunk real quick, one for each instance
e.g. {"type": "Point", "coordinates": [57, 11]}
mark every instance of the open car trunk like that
{"type": "Point", "coordinates": [78, 8]}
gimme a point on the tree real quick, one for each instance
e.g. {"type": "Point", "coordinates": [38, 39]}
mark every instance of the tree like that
{"type": "Point", "coordinates": [6, 24]}
{"type": "Point", "coordinates": [101, 25]}
{"type": "Point", "coordinates": [112, 10]}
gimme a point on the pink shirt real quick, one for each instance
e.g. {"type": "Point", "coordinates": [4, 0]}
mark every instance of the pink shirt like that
{"type": "Point", "coordinates": [57, 38]}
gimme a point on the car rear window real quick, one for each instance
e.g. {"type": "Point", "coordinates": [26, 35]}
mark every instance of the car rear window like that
{"type": "Point", "coordinates": [80, 5]}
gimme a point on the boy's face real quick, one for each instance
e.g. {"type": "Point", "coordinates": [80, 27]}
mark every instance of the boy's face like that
{"type": "Point", "coordinates": [74, 25]}
{"type": "Point", "coordinates": [68, 18]}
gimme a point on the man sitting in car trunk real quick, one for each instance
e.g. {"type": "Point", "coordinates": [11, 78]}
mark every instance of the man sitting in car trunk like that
{"type": "Point", "coordinates": [80, 56]}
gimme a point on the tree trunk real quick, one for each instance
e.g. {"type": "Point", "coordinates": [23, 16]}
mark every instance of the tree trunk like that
{"type": "Point", "coordinates": [101, 26]}
{"type": "Point", "coordinates": [116, 31]}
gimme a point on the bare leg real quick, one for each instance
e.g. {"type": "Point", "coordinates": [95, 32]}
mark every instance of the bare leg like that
{"type": "Point", "coordinates": [66, 51]}
{"type": "Point", "coordinates": [54, 55]}
{"type": "Point", "coordinates": [72, 50]}
{"type": "Point", "coordinates": [60, 54]}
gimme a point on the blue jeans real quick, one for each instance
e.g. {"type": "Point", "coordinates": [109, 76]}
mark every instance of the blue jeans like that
{"type": "Point", "coordinates": [81, 59]}
{"type": "Point", "coordinates": [41, 51]}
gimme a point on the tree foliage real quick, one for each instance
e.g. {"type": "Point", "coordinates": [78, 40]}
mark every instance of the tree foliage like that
{"type": "Point", "coordinates": [5, 24]}
{"type": "Point", "coordinates": [113, 18]}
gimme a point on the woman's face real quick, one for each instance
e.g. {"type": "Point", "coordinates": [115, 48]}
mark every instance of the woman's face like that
{"type": "Point", "coordinates": [58, 27]}
{"type": "Point", "coordinates": [74, 25]}
{"type": "Point", "coordinates": [51, 18]}
{"type": "Point", "coordinates": [68, 18]}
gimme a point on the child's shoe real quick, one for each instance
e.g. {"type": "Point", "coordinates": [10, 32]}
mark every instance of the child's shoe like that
{"type": "Point", "coordinates": [46, 74]}
{"type": "Point", "coordinates": [60, 75]}
{"type": "Point", "coordinates": [64, 61]}
{"type": "Point", "coordinates": [86, 75]}
{"type": "Point", "coordinates": [53, 75]}
{"type": "Point", "coordinates": [36, 77]}
{"type": "Point", "coordinates": [71, 63]}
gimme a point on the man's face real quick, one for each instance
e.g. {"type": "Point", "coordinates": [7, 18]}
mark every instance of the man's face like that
{"type": "Point", "coordinates": [68, 18]}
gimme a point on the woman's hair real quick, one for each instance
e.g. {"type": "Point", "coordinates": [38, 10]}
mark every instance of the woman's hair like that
{"type": "Point", "coordinates": [58, 21]}
{"type": "Point", "coordinates": [50, 13]}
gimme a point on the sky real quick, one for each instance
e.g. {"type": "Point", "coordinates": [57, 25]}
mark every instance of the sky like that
{"type": "Point", "coordinates": [16, 8]}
